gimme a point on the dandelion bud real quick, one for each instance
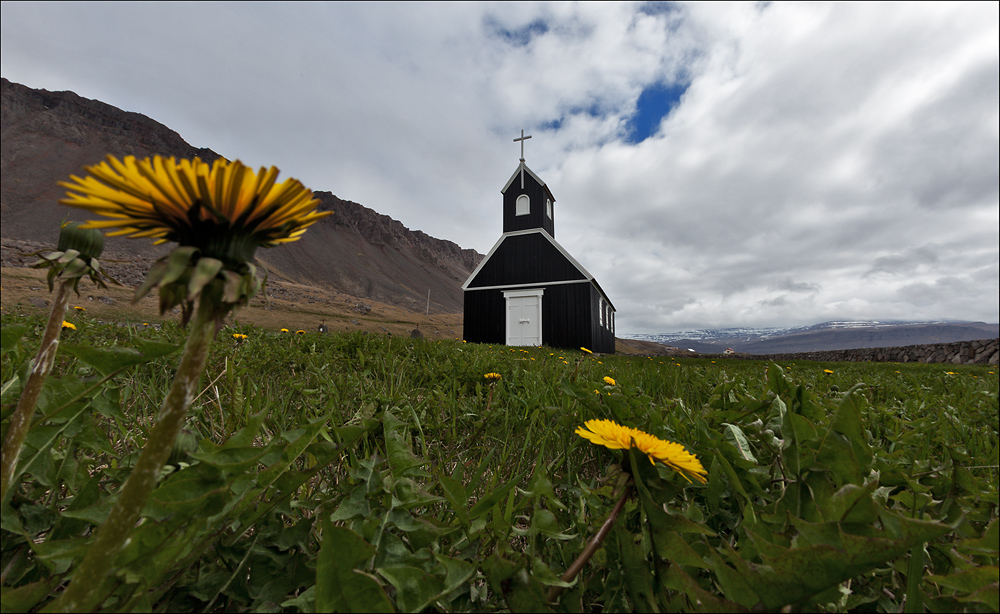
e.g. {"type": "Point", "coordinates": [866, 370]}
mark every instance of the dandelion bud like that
{"type": "Point", "coordinates": [88, 241]}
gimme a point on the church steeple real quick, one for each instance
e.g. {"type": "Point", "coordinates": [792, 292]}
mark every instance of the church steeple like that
{"type": "Point", "coordinates": [527, 201]}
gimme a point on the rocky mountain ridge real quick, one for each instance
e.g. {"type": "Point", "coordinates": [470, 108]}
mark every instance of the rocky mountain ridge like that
{"type": "Point", "coordinates": [829, 336]}
{"type": "Point", "coordinates": [47, 136]}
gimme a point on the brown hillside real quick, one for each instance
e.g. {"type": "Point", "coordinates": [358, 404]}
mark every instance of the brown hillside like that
{"type": "Point", "coordinates": [47, 136]}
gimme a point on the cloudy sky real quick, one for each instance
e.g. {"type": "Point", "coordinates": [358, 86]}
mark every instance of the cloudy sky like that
{"type": "Point", "coordinates": [714, 165]}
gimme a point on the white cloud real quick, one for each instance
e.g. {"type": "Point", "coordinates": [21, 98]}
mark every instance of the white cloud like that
{"type": "Point", "coordinates": [827, 160]}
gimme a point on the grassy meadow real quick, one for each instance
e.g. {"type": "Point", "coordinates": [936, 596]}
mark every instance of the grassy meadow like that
{"type": "Point", "coordinates": [364, 472]}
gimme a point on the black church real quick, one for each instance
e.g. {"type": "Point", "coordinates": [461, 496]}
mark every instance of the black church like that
{"type": "Point", "coordinates": [529, 290]}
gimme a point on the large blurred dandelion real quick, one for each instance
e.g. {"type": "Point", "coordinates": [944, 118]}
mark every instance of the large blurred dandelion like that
{"type": "Point", "coordinates": [617, 437]}
{"type": "Point", "coordinates": [223, 208]}
{"type": "Point", "coordinates": [218, 214]}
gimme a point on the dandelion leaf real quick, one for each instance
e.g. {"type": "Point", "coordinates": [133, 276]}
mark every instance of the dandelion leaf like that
{"type": "Point", "coordinates": [339, 587]}
{"type": "Point", "coordinates": [10, 335]}
{"type": "Point", "coordinates": [415, 588]}
{"type": "Point", "coordinates": [824, 555]}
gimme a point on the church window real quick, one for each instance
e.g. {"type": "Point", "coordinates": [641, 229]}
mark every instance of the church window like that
{"type": "Point", "coordinates": [523, 205]}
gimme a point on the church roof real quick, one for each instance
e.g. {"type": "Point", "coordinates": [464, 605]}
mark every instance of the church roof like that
{"type": "Point", "coordinates": [517, 173]}
{"type": "Point", "coordinates": [535, 232]}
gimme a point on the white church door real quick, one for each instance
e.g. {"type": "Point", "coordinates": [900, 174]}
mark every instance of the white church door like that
{"type": "Point", "coordinates": [524, 316]}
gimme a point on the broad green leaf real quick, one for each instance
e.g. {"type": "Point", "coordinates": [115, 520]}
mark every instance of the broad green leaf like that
{"type": "Point", "coordinates": [234, 460]}
{"type": "Point", "coordinates": [187, 492]}
{"type": "Point", "coordinates": [699, 599]}
{"type": "Point", "coordinates": [95, 514]}
{"type": "Point", "coordinates": [407, 494]}
{"type": "Point", "coordinates": [457, 572]}
{"type": "Point", "coordinates": [790, 576]}
{"type": "Point", "coordinates": [637, 576]}
{"type": "Point", "coordinates": [735, 436]}
{"type": "Point", "coordinates": [401, 456]}
{"type": "Point", "coordinates": [245, 437]}
{"type": "Point", "coordinates": [989, 543]}
{"type": "Point", "coordinates": [852, 504]}
{"type": "Point", "coordinates": [10, 335]}
{"type": "Point", "coordinates": [339, 587]}
{"type": "Point", "coordinates": [25, 598]}
{"type": "Point", "coordinates": [356, 504]}
{"type": "Point", "coordinates": [10, 393]}
{"type": "Point", "coordinates": [543, 522]}
{"type": "Point", "coordinates": [415, 588]}
{"type": "Point", "coordinates": [107, 360]}
{"type": "Point", "coordinates": [520, 590]}
{"type": "Point", "coordinates": [970, 580]}
{"type": "Point", "coordinates": [152, 350]}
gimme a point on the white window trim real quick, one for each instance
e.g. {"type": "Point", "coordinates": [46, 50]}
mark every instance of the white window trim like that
{"type": "Point", "coordinates": [524, 209]}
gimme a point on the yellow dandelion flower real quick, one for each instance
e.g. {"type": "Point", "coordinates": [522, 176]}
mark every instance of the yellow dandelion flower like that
{"type": "Point", "coordinates": [78, 308]}
{"type": "Point", "coordinates": [586, 350]}
{"type": "Point", "coordinates": [224, 208]}
{"type": "Point", "coordinates": [68, 325]}
{"type": "Point", "coordinates": [617, 437]}
{"type": "Point", "coordinates": [300, 332]}
{"type": "Point", "coordinates": [609, 381]}
{"type": "Point", "coordinates": [827, 371]}
{"type": "Point", "coordinates": [493, 377]}
{"type": "Point", "coordinates": [284, 330]}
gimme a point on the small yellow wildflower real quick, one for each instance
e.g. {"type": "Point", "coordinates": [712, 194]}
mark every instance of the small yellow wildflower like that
{"type": "Point", "coordinates": [617, 437]}
{"type": "Point", "coordinates": [493, 377]}
{"type": "Point", "coordinates": [586, 350]}
{"type": "Point", "coordinates": [284, 330]}
{"type": "Point", "coordinates": [78, 308]}
{"type": "Point", "coordinates": [68, 325]}
{"type": "Point", "coordinates": [828, 371]}
{"type": "Point", "coordinates": [609, 381]}
{"type": "Point", "coordinates": [300, 332]}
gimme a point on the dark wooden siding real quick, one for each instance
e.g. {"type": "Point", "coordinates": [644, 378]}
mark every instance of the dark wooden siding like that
{"type": "Point", "coordinates": [603, 337]}
{"type": "Point", "coordinates": [526, 259]}
{"type": "Point", "coordinates": [570, 318]}
{"type": "Point", "coordinates": [484, 320]}
{"type": "Point", "coordinates": [566, 316]}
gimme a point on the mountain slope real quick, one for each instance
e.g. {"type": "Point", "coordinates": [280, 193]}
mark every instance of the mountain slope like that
{"type": "Point", "coordinates": [826, 336]}
{"type": "Point", "coordinates": [47, 136]}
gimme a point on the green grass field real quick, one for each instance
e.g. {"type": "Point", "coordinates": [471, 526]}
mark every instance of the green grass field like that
{"type": "Point", "coordinates": [357, 472]}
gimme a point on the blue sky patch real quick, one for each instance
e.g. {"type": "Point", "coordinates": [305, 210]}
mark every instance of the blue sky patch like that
{"type": "Point", "coordinates": [655, 103]}
{"type": "Point", "coordinates": [519, 37]}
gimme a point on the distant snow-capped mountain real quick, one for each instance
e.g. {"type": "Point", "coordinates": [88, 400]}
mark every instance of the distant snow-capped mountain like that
{"type": "Point", "coordinates": [834, 335]}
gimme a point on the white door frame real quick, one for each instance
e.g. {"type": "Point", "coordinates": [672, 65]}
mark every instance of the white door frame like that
{"type": "Point", "coordinates": [509, 294]}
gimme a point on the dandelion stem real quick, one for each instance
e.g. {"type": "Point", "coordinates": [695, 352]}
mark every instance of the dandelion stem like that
{"type": "Point", "coordinates": [595, 543]}
{"type": "Point", "coordinates": [86, 590]}
{"type": "Point", "coordinates": [20, 421]}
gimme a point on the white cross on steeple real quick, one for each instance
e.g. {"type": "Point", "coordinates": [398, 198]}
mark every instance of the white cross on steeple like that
{"type": "Point", "coordinates": [522, 139]}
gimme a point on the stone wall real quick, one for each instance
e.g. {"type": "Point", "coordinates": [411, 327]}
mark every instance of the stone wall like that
{"type": "Point", "coordinates": [979, 352]}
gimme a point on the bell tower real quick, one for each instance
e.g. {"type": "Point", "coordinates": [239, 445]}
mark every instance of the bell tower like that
{"type": "Point", "coordinates": [527, 202]}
